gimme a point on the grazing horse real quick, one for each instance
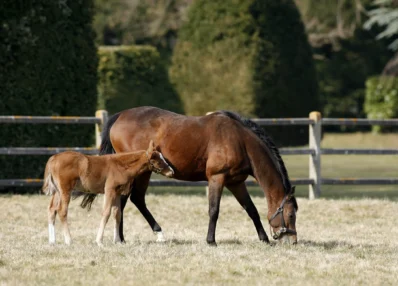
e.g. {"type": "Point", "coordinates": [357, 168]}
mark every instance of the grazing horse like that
{"type": "Point", "coordinates": [222, 148]}
{"type": "Point", "coordinates": [110, 174]}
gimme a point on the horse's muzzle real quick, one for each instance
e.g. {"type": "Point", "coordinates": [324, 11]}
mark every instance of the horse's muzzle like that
{"type": "Point", "coordinates": [169, 173]}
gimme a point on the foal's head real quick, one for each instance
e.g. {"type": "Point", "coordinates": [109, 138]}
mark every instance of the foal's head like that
{"type": "Point", "coordinates": [157, 163]}
{"type": "Point", "coordinates": [283, 221]}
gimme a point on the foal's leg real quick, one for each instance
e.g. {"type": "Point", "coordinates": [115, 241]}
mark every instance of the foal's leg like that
{"type": "Point", "coordinates": [137, 196]}
{"type": "Point", "coordinates": [65, 191]}
{"type": "Point", "coordinates": [216, 184]}
{"type": "Point", "coordinates": [117, 214]}
{"type": "Point", "coordinates": [108, 202]}
{"type": "Point", "coordinates": [243, 197]}
{"type": "Point", "coordinates": [52, 212]}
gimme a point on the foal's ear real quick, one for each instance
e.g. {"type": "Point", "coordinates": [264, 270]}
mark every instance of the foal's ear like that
{"type": "Point", "coordinates": [151, 147]}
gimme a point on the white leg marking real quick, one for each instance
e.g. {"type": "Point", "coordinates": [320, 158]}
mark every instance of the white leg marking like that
{"type": "Point", "coordinates": [160, 236]}
{"type": "Point", "coordinates": [68, 241]}
{"type": "Point", "coordinates": [51, 233]}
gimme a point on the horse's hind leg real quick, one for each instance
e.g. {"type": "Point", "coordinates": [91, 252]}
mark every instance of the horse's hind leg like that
{"type": "Point", "coordinates": [123, 201]}
{"type": "Point", "coordinates": [216, 184]}
{"type": "Point", "coordinates": [243, 197]}
{"type": "Point", "coordinates": [137, 196]}
{"type": "Point", "coordinates": [64, 193]}
{"type": "Point", "coordinates": [52, 212]}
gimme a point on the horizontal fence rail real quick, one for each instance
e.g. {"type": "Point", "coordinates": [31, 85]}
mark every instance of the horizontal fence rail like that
{"type": "Point", "coordinates": [359, 121]}
{"type": "Point", "coordinates": [153, 182]}
{"type": "Point", "coordinates": [282, 121]}
{"type": "Point", "coordinates": [328, 151]}
{"type": "Point", "coordinates": [46, 150]}
{"type": "Point", "coordinates": [50, 119]}
{"type": "Point", "coordinates": [314, 150]}
{"type": "Point", "coordinates": [359, 181]}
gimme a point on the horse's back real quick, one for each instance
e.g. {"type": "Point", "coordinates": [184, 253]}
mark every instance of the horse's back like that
{"type": "Point", "coordinates": [186, 141]}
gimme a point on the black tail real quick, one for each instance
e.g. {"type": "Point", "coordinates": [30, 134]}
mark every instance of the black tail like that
{"type": "Point", "coordinates": [106, 144]}
{"type": "Point", "coordinates": [106, 148]}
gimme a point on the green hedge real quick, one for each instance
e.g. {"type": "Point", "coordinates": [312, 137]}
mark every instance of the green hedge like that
{"type": "Point", "coordinates": [48, 66]}
{"type": "Point", "coordinates": [132, 76]}
{"type": "Point", "coordinates": [381, 101]}
{"type": "Point", "coordinates": [248, 56]}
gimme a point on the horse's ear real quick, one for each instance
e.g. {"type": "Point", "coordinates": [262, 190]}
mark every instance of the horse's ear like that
{"type": "Point", "coordinates": [293, 190]}
{"type": "Point", "coordinates": [151, 147]}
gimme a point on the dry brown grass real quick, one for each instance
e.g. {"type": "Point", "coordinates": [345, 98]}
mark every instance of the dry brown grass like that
{"type": "Point", "coordinates": [342, 242]}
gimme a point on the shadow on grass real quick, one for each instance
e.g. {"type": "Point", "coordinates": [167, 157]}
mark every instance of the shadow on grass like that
{"type": "Point", "coordinates": [333, 244]}
{"type": "Point", "coordinates": [192, 242]}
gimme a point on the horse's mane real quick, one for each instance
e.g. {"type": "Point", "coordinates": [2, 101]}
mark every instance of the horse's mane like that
{"type": "Point", "coordinates": [274, 152]}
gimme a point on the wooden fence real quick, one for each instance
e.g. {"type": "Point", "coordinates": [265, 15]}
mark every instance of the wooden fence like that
{"type": "Point", "coordinates": [315, 122]}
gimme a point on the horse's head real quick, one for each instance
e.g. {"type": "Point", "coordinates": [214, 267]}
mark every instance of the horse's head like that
{"type": "Point", "coordinates": [157, 163]}
{"type": "Point", "coordinates": [283, 221]}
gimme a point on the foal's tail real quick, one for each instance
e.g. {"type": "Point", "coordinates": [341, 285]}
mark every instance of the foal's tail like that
{"type": "Point", "coordinates": [49, 187]}
{"type": "Point", "coordinates": [105, 148]}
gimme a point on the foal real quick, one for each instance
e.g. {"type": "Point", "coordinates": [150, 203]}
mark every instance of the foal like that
{"type": "Point", "coordinates": [108, 174]}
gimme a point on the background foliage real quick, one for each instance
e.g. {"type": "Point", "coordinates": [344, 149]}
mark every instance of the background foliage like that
{"type": "Point", "coordinates": [381, 99]}
{"type": "Point", "coordinates": [48, 66]}
{"type": "Point", "coordinates": [132, 76]}
{"type": "Point", "coordinates": [237, 55]}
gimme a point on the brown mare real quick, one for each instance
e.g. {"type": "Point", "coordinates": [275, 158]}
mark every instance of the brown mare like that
{"type": "Point", "coordinates": [110, 174]}
{"type": "Point", "coordinates": [221, 148]}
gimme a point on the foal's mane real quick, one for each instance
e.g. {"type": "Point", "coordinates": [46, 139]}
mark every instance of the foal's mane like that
{"type": "Point", "coordinates": [273, 150]}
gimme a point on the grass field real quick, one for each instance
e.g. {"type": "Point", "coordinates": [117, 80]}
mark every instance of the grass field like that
{"type": "Point", "coordinates": [348, 237]}
{"type": "Point", "coordinates": [341, 242]}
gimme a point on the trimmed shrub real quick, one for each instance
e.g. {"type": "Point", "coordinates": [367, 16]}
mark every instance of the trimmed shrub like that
{"type": "Point", "coordinates": [249, 56]}
{"type": "Point", "coordinates": [131, 76]}
{"type": "Point", "coordinates": [381, 101]}
{"type": "Point", "coordinates": [48, 67]}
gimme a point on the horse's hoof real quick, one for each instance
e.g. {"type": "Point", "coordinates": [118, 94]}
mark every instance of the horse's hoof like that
{"type": "Point", "coordinates": [212, 243]}
{"type": "Point", "coordinates": [160, 236]}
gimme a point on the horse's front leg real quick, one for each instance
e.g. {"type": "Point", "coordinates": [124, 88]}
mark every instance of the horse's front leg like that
{"type": "Point", "coordinates": [106, 212]}
{"type": "Point", "coordinates": [240, 192]}
{"type": "Point", "coordinates": [137, 197]}
{"type": "Point", "coordinates": [117, 214]}
{"type": "Point", "coordinates": [216, 184]}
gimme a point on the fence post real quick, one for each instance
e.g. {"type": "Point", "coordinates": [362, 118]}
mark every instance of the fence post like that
{"type": "Point", "coordinates": [103, 116]}
{"type": "Point", "coordinates": [315, 159]}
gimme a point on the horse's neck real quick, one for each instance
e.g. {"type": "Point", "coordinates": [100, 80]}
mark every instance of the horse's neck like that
{"type": "Point", "coordinates": [132, 163]}
{"type": "Point", "coordinates": [267, 175]}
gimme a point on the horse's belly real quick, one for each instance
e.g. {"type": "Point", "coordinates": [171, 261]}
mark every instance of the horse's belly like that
{"type": "Point", "coordinates": [88, 187]}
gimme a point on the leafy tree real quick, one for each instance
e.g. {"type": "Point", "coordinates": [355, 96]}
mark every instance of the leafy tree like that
{"type": "Point", "coordinates": [386, 15]}
{"type": "Point", "coordinates": [249, 56]}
